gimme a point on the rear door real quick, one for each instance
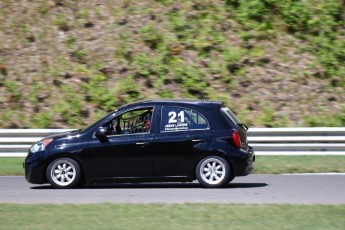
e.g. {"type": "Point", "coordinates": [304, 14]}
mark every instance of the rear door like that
{"type": "Point", "coordinates": [182, 138]}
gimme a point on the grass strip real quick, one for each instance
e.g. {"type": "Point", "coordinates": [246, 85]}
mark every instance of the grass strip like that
{"type": "Point", "coordinates": [264, 164]}
{"type": "Point", "coordinates": [177, 216]}
{"type": "Point", "coordinates": [299, 164]}
{"type": "Point", "coordinates": [11, 166]}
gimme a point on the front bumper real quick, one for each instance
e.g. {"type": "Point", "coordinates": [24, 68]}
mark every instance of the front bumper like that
{"type": "Point", "coordinates": [34, 168]}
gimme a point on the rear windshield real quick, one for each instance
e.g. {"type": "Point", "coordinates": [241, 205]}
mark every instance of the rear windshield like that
{"type": "Point", "coordinates": [229, 114]}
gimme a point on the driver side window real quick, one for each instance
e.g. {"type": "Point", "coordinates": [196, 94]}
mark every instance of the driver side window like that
{"type": "Point", "coordinates": [131, 122]}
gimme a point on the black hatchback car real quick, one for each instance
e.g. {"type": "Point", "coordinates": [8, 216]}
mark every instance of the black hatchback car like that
{"type": "Point", "coordinates": [147, 141]}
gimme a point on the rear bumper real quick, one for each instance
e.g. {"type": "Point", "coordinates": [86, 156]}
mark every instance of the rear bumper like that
{"type": "Point", "coordinates": [245, 166]}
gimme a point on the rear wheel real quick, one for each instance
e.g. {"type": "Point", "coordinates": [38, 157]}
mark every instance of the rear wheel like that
{"type": "Point", "coordinates": [213, 172]}
{"type": "Point", "coordinates": [63, 173]}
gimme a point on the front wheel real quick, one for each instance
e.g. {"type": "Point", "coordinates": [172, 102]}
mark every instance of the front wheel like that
{"type": "Point", "coordinates": [213, 172]}
{"type": "Point", "coordinates": [63, 173]}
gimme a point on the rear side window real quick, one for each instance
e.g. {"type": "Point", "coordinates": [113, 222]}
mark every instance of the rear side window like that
{"type": "Point", "coordinates": [230, 115]}
{"type": "Point", "coordinates": [182, 119]}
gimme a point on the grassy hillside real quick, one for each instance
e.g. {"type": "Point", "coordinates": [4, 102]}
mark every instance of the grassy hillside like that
{"type": "Point", "coordinates": [275, 63]}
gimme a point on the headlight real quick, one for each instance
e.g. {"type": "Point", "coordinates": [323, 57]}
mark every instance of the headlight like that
{"type": "Point", "coordinates": [41, 145]}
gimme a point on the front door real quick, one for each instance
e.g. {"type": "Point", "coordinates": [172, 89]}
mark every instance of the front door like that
{"type": "Point", "coordinates": [126, 151]}
{"type": "Point", "coordinates": [121, 156]}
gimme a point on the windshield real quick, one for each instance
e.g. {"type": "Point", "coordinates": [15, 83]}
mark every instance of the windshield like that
{"type": "Point", "coordinates": [89, 127]}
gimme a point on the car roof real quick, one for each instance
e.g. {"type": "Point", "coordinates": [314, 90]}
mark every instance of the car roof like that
{"type": "Point", "coordinates": [175, 102]}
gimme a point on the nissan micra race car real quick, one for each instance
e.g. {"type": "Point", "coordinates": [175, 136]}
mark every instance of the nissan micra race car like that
{"type": "Point", "coordinates": [147, 141]}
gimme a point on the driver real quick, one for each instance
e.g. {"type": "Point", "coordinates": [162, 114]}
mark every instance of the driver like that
{"type": "Point", "coordinates": [146, 118]}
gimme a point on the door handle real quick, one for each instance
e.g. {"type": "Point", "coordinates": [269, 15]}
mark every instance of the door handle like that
{"type": "Point", "coordinates": [142, 143]}
{"type": "Point", "coordinates": [198, 140]}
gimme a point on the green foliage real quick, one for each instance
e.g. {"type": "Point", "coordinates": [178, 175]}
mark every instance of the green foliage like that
{"type": "Point", "coordinates": [320, 20]}
{"type": "Point", "coordinates": [70, 106]}
{"type": "Point", "coordinates": [79, 53]}
{"type": "Point", "coordinates": [104, 97]}
{"type": "Point", "coordinates": [253, 14]}
{"type": "Point", "coordinates": [165, 2]}
{"type": "Point", "coordinates": [43, 120]}
{"type": "Point", "coordinates": [315, 17]}
{"type": "Point", "coordinates": [13, 89]}
{"type": "Point", "coordinates": [233, 54]}
{"type": "Point", "coordinates": [267, 116]}
{"type": "Point", "coordinates": [129, 90]}
{"type": "Point", "coordinates": [336, 120]}
{"type": "Point", "coordinates": [43, 10]}
{"type": "Point", "coordinates": [151, 35]}
{"type": "Point", "coordinates": [331, 55]}
{"type": "Point", "coordinates": [181, 25]}
{"type": "Point", "coordinates": [37, 87]}
{"type": "Point", "coordinates": [165, 94]}
{"type": "Point", "coordinates": [132, 50]}
{"type": "Point", "coordinates": [70, 41]}
{"type": "Point", "coordinates": [85, 14]}
{"type": "Point", "coordinates": [5, 118]}
{"type": "Point", "coordinates": [147, 66]}
{"type": "Point", "coordinates": [316, 21]}
{"type": "Point", "coordinates": [191, 78]}
{"type": "Point", "coordinates": [61, 22]}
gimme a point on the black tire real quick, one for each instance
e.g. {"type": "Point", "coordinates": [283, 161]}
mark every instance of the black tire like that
{"type": "Point", "coordinates": [63, 173]}
{"type": "Point", "coordinates": [213, 172]}
{"type": "Point", "coordinates": [232, 177]}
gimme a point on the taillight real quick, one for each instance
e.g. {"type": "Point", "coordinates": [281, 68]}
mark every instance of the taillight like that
{"type": "Point", "coordinates": [236, 138]}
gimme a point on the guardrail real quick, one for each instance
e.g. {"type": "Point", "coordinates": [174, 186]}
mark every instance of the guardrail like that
{"type": "Point", "coordinates": [16, 142]}
{"type": "Point", "coordinates": [298, 141]}
{"type": "Point", "coordinates": [265, 141]}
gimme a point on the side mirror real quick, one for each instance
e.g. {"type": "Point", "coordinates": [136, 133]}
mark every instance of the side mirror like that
{"type": "Point", "coordinates": [101, 133]}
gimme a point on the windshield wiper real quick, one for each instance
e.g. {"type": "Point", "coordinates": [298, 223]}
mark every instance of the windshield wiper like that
{"type": "Point", "coordinates": [76, 131]}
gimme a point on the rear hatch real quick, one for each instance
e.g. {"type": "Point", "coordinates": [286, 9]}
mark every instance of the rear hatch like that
{"type": "Point", "coordinates": [238, 125]}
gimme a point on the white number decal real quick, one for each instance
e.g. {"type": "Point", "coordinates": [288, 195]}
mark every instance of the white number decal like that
{"type": "Point", "coordinates": [172, 116]}
{"type": "Point", "coordinates": [181, 116]}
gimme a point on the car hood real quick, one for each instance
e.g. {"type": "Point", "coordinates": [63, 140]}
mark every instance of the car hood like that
{"type": "Point", "coordinates": [64, 135]}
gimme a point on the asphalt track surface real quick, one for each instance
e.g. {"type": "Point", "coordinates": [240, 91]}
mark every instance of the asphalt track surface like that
{"type": "Point", "coordinates": [252, 189]}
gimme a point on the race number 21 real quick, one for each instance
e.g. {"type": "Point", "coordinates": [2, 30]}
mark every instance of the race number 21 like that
{"type": "Point", "coordinates": [172, 116]}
